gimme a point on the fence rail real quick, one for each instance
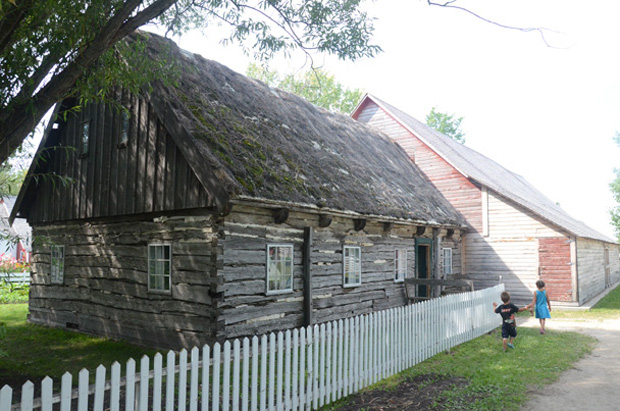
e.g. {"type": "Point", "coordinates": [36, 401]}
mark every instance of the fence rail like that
{"type": "Point", "coordinates": [299, 369]}
{"type": "Point", "coordinates": [16, 278]}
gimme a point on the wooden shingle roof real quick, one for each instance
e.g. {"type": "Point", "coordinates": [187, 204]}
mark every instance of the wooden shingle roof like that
{"type": "Point", "coordinates": [245, 139]}
{"type": "Point", "coordinates": [487, 172]}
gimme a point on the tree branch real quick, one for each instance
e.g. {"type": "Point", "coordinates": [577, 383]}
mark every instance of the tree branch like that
{"type": "Point", "coordinates": [539, 30]}
{"type": "Point", "coordinates": [25, 115]}
{"type": "Point", "coordinates": [143, 17]}
{"type": "Point", "coordinates": [11, 21]}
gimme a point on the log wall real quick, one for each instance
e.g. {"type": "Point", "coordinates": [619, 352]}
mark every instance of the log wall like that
{"type": "Point", "coordinates": [218, 275]}
{"type": "Point", "coordinates": [105, 290]}
{"type": "Point", "coordinates": [246, 310]}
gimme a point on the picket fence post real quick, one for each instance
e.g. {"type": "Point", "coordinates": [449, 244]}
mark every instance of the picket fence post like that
{"type": "Point", "coordinates": [299, 369]}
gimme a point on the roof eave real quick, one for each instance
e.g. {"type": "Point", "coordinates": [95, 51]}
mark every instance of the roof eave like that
{"type": "Point", "coordinates": [314, 209]}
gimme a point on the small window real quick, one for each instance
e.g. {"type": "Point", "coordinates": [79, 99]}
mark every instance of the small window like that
{"type": "Point", "coordinates": [447, 261]}
{"type": "Point", "coordinates": [279, 268]}
{"type": "Point", "coordinates": [160, 266]}
{"type": "Point", "coordinates": [85, 137]}
{"type": "Point", "coordinates": [352, 266]}
{"type": "Point", "coordinates": [400, 265]}
{"type": "Point", "coordinates": [57, 271]}
{"type": "Point", "coordinates": [124, 137]}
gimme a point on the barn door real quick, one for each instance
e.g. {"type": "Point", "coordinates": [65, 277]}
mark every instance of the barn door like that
{"type": "Point", "coordinates": [423, 264]}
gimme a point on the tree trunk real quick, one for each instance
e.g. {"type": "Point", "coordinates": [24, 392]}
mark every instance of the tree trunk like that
{"type": "Point", "coordinates": [21, 116]}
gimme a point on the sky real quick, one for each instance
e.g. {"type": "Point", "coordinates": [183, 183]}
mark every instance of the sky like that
{"type": "Point", "coordinates": [546, 113]}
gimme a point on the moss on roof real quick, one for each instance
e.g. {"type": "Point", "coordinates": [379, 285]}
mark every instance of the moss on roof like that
{"type": "Point", "coordinates": [270, 144]}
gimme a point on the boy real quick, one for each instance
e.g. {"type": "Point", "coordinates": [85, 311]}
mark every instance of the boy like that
{"type": "Point", "coordinates": [509, 324]}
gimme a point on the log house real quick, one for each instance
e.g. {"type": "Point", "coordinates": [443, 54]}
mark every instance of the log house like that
{"type": "Point", "coordinates": [221, 208]}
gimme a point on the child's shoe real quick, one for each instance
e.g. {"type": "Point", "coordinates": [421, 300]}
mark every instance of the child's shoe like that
{"type": "Point", "coordinates": [511, 346]}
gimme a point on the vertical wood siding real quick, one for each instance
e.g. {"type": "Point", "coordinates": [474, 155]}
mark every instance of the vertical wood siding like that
{"type": "Point", "coordinates": [105, 290]}
{"type": "Point", "coordinates": [148, 174]}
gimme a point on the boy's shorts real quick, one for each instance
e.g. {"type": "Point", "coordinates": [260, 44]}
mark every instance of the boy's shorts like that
{"type": "Point", "coordinates": [509, 330]}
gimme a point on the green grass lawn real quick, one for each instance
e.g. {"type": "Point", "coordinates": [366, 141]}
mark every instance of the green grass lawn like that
{"type": "Point", "coordinates": [34, 351]}
{"type": "Point", "coordinates": [496, 380]}
{"type": "Point", "coordinates": [607, 308]}
{"type": "Point", "coordinates": [501, 381]}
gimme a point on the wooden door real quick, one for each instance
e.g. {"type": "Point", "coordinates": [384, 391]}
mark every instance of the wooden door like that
{"type": "Point", "coordinates": [423, 265]}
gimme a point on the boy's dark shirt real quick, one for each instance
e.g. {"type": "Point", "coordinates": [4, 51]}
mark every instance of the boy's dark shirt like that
{"type": "Point", "coordinates": [507, 311]}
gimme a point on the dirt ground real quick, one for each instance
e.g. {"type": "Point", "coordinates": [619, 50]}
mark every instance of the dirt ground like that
{"type": "Point", "coordinates": [592, 384]}
{"type": "Point", "coordinates": [420, 393]}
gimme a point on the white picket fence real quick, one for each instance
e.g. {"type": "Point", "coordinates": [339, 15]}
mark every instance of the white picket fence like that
{"type": "Point", "coordinates": [16, 278]}
{"type": "Point", "coordinates": [299, 369]}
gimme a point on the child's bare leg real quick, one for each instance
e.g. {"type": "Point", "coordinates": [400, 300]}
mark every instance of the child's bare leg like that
{"type": "Point", "coordinates": [542, 324]}
{"type": "Point", "coordinates": [505, 343]}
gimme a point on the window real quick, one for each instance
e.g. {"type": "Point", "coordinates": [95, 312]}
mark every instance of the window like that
{"type": "Point", "coordinates": [447, 261]}
{"type": "Point", "coordinates": [124, 137]}
{"type": "Point", "coordinates": [160, 266]}
{"type": "Point", "coordinates": [279, 268]}
{"type": "Point", "coordinates": [57, 271]}
{"type": "Point", "coordinates": [85, 137]}
{"type": "Point", "coordinates": [352, 266]}
{"type": "Point", "coordinates": [400, 265]}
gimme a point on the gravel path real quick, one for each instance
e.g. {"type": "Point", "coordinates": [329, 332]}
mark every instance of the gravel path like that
{"type": "Point", "coordinates": [593, 383]}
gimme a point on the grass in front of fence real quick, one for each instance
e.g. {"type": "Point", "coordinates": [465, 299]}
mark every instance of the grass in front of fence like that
{"type": "Point", "coordinates": [13, 294]}
{"type": "Point", "coordinates": [495, 380]}
{"type": "Point", "coordinates": [33, 352]}
{"type": "Point", "coordinates": [499, 380]}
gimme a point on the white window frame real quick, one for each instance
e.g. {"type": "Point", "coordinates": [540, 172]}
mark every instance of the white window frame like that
{"type": "Point", "coordinates": [447, 261]}
{"type": "Point", "coordinates": [57, 264]}
{"type": "Point", "coordinates": [351, 266]}
{"type": "Point", "coordinates": [155, 265]}
{"type": "Point", "coordinates": [400, 265]}
{"type": "Point", "coordinates": [281, 267]}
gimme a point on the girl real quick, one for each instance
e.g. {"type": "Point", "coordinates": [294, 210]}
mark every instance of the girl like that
{"type": "Point", "coordinates": [541, 304]}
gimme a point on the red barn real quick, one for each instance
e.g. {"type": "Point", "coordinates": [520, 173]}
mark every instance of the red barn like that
{"type": "Point", "coordinates": [516, 234]}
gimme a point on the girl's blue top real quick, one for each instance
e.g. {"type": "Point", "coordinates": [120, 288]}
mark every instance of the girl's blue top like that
{"type": "Point", "coordinates": [541, 309]}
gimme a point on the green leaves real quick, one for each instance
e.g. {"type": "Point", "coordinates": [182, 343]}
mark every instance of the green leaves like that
{"type": "Point", "coordinates": [447, 124]}
{"type": "Point", "coordinates": [54, 49]}
{"type": "Point", "coordinates": [316, 86]}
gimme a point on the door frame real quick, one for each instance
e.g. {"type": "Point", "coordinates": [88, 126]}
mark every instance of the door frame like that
{"type": "Point", "coordinates": [423, 250]}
